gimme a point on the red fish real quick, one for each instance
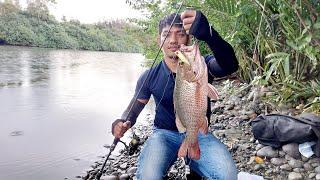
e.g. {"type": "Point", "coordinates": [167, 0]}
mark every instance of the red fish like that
{"type": "Point", "coordinates": [190, 99]}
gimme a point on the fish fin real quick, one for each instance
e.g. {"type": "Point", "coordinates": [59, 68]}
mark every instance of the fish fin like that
{"type": "Point", "coordinates": [183, 149]}
{"type": "Point", "coordinates": [212, 92]}
{"type": "Point", "coordinates": [179, 125]}
{"type": "Point", "coordinates": [203, 128]}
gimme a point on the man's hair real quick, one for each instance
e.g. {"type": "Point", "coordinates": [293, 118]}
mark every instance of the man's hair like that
{"type": "Point", "coordinates": [167, 20]}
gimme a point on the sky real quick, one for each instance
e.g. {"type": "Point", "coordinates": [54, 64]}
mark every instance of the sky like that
{"type": "Point", "coordinates": [91, 11]}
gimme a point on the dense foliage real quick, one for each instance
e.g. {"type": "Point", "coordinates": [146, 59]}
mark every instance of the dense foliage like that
{"type": "Point", "coordinates": [36, 27]}
{"type": "Point", "coordinates": [277, 42]}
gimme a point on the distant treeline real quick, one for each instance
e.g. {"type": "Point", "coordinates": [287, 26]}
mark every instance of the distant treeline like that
{"type": "Point", "coordinates": [34, 26]}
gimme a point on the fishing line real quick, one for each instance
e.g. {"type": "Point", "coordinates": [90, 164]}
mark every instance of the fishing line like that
{"type": "Point", "coordinates": [116, 140]}
{"type": "Point", "coordinates": [165, 87]}
{"type": "Point", "coordinates": [164, 91]}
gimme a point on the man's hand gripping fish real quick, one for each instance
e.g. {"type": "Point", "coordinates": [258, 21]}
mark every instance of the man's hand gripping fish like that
{"type": "Point", "coordinates": [190, 98]}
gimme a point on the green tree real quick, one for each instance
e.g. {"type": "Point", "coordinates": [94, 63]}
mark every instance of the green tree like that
{"type": "Point", "coordinates": [9, 6]}
{"type": "Point", "coordinates": [39, 8]}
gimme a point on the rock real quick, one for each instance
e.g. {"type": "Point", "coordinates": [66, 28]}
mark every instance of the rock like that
{"type": "Point", "coordinates": [304, 159]}
{"type": "Point", "coordinates": [252, 140]}
{"type": "Point", "coordinates": [294, 176]}
{"type": "Point", "coordinates": [232, 133]}
{"type": "Point", "coordinates": [174, 171]}
{"type": "Point", "coordinates": [282, 154]}
{"type": "Point", "coordinates": [287, 157]}
{"type": "Point", "coordinates": [267, 151]}
{"type": "Point", "coordinates": [124, 177]}
{"type": "Point", "coordinates": [318, 177]}
{"type": "Point", "coordinates": [244, 117]}
{"type": "Point", "coordinates": [249, 112]}
{"type": "Point", "coordinates": [278, 161]}
{"type": "Point", "coordinates": [315, 165]}
{"type": "Point", "coordinates": [257, 167]}
{"type": "Point", "coordinates": [116, 172]}
{"type": "Point", "coordinates": [123, 166]}
{"type": "Point", "coordinates": [312, 175]}
{"type": "Point", "coordinates": [259, 146]}
{"type": "Point", "coordinates": [269, 171]}
{"type": "Point", "coordinates": [295, 163]}
{"type": "Point", "coordinates": [314, 160]}
{"type": "Point", "coordinates": [277, 169]}
{"type": "Point", "coordinates": [252, 158]}
{"type": "Point", "coordinates": [292, 149]}
{"type": "Point", "coordinates": [243, 147]}
{"type": "Point", "coordinates": [110, 177]}
{"type": "Point", "coordinates": [252, 116]}
{"type": "Point", "coordinates": [84, 175]}
{"type": "Point", "coordinates": [317, 170]}
{"type": "Point", "coordinates": [132, 170]}
{"type": "Point", "coordinates": [229, 107]}
{"type": "Point", "coordinates": [297, 170]}
{"type": "Point", "coordinates": [286, 167]}
{"type": "Point", "coordinates": [307, 167]}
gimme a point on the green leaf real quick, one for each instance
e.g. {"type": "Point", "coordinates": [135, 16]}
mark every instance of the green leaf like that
{"type": "Point", "coordinates": [286, 65]}
{"type": "Point", "coordinates": [292, 45]}
{"type": "Point", "coordinates": [277, 54]}
{"type": "Point", "coordinates": [316, 25]}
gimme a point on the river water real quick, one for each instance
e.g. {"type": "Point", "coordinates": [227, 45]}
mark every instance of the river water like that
{"type": "Point", "coordinates": [57, 107]}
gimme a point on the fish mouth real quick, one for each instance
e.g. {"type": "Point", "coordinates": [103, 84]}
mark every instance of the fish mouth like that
{"type": "Point", "coordinates": [182, 57]}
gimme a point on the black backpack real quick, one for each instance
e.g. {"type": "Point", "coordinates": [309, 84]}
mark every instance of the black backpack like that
{"type": "Point", "coordinates": [276, 130]}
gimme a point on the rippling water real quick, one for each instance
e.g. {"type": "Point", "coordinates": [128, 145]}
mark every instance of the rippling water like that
{"type": "Point", "coordinates": [57, 107]}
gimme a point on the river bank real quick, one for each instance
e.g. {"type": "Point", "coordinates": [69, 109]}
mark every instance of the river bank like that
{"type": "Point", "coordinates": [230, 122]}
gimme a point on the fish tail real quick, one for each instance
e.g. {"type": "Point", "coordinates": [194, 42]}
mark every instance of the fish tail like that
{"type": "Point", "coordinates": [193, 150]}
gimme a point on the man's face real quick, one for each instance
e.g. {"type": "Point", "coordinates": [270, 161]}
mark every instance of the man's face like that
{"type": "Point", "coordinates": [175, 38]}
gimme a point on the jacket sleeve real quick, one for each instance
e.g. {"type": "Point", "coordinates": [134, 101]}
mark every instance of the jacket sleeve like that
{"type": "Point", "coordinates": [224, 61]}
{"type": "Point", "coordinates": [135, 107]}
{"type": "Point", "coordinates": [130, 114]}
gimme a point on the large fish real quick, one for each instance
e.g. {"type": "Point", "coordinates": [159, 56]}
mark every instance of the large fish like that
{"type": "Point", "coordinates": [190, 98]}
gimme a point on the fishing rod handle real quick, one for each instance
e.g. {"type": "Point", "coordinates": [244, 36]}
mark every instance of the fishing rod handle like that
{"type": "Point", "coordinates": [114, 144]}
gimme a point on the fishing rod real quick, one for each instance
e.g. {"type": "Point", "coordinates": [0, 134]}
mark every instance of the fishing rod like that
{"type": "Point", "coordinates": [116, 140]}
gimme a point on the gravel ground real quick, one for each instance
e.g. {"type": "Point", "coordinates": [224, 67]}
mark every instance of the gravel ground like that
{"type": "Point", "coordinates": [230, 122]}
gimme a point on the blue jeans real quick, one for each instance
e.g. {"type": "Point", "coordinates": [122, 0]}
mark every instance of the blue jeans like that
{"type": "Point", "coordinates": [161, 149]}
